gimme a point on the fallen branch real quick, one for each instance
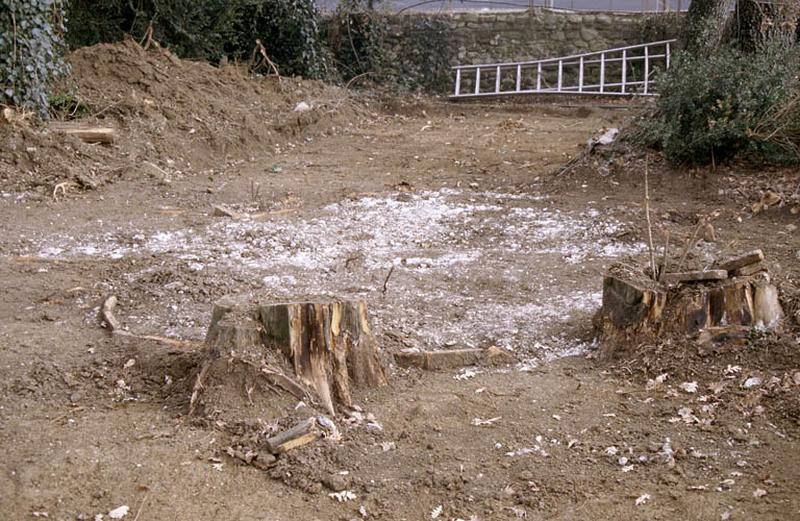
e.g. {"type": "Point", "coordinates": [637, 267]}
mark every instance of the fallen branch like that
{"type": "Point", "coordinates": [109, 321]}
{"type": "Point", "coordinates": [262, 51]}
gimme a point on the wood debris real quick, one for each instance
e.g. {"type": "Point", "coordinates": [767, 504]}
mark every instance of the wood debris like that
{"type": "Point", "coordinates": [694, 276]}
{"type": "Point", "coordinates": [451, 358]}
{"type": "Point", "coordinates": [92, 135]}
{"type": "Point", "coordinates": [299, 435]}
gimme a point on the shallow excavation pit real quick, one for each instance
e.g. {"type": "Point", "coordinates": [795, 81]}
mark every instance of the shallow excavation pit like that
{"type": "Point", "coordinates": [317, 350]}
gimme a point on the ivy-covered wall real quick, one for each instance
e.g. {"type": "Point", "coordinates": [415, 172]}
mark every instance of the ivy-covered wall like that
{"type": "Point", "coordinates": [467, 38]}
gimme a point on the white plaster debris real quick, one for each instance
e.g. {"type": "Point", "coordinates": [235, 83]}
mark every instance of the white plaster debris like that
{"type": "Point", "coordinates": [448, 241]}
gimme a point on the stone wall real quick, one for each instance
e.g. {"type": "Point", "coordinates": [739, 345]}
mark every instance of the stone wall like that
{"type": "Point", "coordinates": [537, 33]}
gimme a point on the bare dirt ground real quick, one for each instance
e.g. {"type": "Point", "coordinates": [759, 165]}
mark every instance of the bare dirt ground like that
{"type": "Point", "coordinates": [489, 247]}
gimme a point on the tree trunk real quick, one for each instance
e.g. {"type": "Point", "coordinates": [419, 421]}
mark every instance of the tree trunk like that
{"type": "Point", "coordinates": [759, 22]}
{"type": "Point", "coordinates": [706, 24]}
{"type": "Point", "coordinates": [637, 310]}
{"type": "Point", "coordinates": [327, 344]}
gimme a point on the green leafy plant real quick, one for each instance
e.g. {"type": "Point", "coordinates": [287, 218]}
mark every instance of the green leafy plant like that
{"type": "Point", "coordinates": [67, 104]}
{"type": "Point", "coordinates": [713, 107]}
{"type": "Point", "coordinates": [31, 51]}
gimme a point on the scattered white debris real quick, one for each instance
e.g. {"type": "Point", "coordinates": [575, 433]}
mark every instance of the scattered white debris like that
{"type": "Point", "coordinates": [644, 498]}
{"type": "Point", "coordinates": [689, 387]}
{"type": "Point", "coordinates": [386, 446]}
{"type": "Point", "coordinates": [330, 428]}
{"type": "Point", "coordinates": [341, 497]}
{"type": "Point", "coordinates": [478, 422]}
{"type": "Point", "coordinates": [660, 379]}
{"type": "Point", "coordinates": [623, 461]}
{"type": "Point", "coordinates": [628, 468]}
{"type": "Point", "coordinates": [302, 107]}
{"type": "Point", "coordinates": [217, 466]}
{"type": "Point", "coordinates": [556, 417]}
{"type": "Point", "coordinates": [606, 138]}
{"type": "Point", "coordinates": [686, 415]}
{"type": "Point", "coordinates": [753, 381]}
{"type": "Point", "coordinates": [130, 363]}
{"type": "Point", "coordinates": [362, 510]}
{"type": "Point", "coordinates": [375, 425]}
{"type": "Point", "coordinates": [436, 512]}
{"type": "Point", "coordinates": [759, 493]}
{"type": "Point", "coordinates": [467, 372]}
{"type": "Point", "coordinates": [431, 225]}
{"type": "Point", "coordinates": [733, 370]}
{"type": "Point", "coordinates": [612, 451]}
{"type": "Point", "coordinates": [119, 512]}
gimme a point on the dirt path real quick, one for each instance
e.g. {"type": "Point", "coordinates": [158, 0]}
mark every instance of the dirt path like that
{"type": "Point", "coordinates": [488, 249]}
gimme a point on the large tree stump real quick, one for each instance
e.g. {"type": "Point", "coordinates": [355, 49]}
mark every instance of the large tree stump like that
{"type": "Point", "coordinates": [637, 309]}
{"type": "Point", "coordinates": [327, 345]}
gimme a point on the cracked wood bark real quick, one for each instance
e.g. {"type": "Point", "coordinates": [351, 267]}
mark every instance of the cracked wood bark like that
{"type": "Point", "coordinates": [706, 24]}
{"type": "Point", "coordinates": [327, 344]}
{"type": "Point", "coordinates": [635, 311]}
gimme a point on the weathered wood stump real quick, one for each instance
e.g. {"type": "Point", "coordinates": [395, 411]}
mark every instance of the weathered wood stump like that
{"type": "Point", "coordinates": [638, 309]}
{"type": "Point", "coordinates": [325, 345]}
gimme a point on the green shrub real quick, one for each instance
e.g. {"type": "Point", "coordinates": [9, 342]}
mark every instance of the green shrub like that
{"type": "Point", "coordinates": [31, 51]}
{"type": "Point", "coordinates": [711, 108]}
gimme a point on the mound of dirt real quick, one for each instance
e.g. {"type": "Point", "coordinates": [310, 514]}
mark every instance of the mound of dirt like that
{"type": "Point", "coordinates": [178, 115]}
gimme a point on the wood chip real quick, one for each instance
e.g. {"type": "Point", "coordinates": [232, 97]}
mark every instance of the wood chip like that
{"type": "Point", "coordinates": [740, 261]}
{"type": "Point", "coordinates": [299, 435]}
{"type": "Point", "coordinates": [746, 271]}
{"type": "Point", "coordinates": [695, 276]}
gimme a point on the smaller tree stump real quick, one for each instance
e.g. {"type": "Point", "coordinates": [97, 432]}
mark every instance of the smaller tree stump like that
{"type": "Point", "coordinates": [326, 344]}
{"type": "Point", "coordinates": [638, 309]}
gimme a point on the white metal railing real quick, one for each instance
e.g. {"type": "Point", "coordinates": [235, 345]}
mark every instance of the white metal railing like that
{"type": "Point", "coordinates": [625, 71]}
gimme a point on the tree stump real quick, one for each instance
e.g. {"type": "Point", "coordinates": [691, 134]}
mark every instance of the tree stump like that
{"type": "Point", "coordinates": [638, 309]}
{"type": "Point", "coordinates": [326, 345]}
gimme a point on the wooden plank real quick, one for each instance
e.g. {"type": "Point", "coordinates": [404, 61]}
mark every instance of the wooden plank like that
{"type": "Point", "coordinates": [746, 271]}
{"type": "Point", "coordinates": [740, 261]}
{"type": "Point", "coordinates": [451, 358]}
{"type": "Point", "coordinates": [104, 135]}
{"type": "Point", "coordinates": [301, 434]}
{"type": "Point", "coordinates": [695, 276]}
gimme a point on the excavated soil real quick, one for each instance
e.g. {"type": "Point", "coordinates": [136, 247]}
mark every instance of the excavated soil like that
{"type": "Point", "coordinates": [450, 221]}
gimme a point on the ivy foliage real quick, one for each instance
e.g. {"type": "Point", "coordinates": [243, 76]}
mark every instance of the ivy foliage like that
{"type": "Point", "coordinates": [357, 37]}
{"type": "Point", "coordinates": [290, 31]}
{"type": "Point", "coordinates": [31, 51]}
{"type": "Point", "coordinates": [191, 29]}
{"type": "Point", "coordinates": [210, 29]}
{"type": "Point", "coordinates": [410, 53]}
{"type": "Point", "coordinates": [423, 55]}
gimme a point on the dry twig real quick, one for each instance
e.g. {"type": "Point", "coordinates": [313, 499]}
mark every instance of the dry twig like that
{"type": "Point", "coordinates": [653, 272]}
